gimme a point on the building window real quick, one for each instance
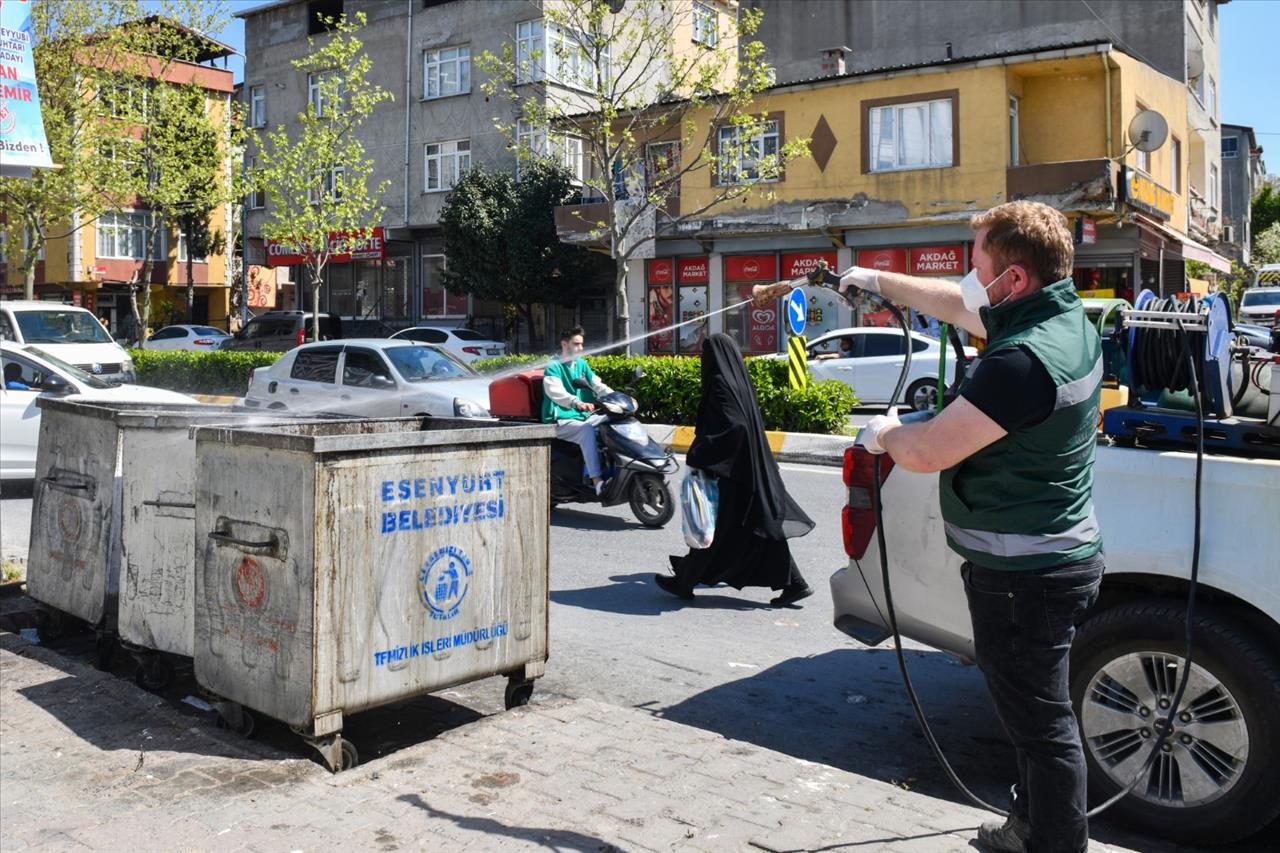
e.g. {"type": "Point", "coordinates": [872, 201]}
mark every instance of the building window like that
{"type": "Point", "coordinates": [257, 106]}
{"type": "Point", "coordinates": [127, 100]}
{"type": "Point", "coordinates": [662, 165]}
{"type": "Point", "coordinates": [1142, 160]}
{"type": "Point", "coordinates": [1175, 165]}
{"type": "Point", "coordinates": [438, 300]}
{"type": "Point", "coordinates": [445, 163]}
{"type": "Point", "coordinates": [742, 162]}
{"type": "Point", "coordinates": [258, 198]}
{"type": "Point", "coordinates": [446, 72]}
{"type": "Point", "coordinates": [123, 234]}
{"type": "Point", "coordinates": [565, 151]}
{"type": "Point", "coordinates": [182, 249]}
{"type": "Point", "coordinates": [1211, 105]}
{"type": "Point", "coordinates": [706, 25]}
{"type": "Point", "coordinates": [1014, 142]}
{"type": "Point", "coordinates": [315, 92]}
{"type": "Point", "coordinates": [1230, 147]}
{"type": "Point", "coordinates": [331, 186]}
{"type": "Point", "coordinates": [318, 11]}
{"type": "Point", "coordinates": [910, 135]}
{"type": "Point", "coordinates": [1213, 186]}
{"type": "Point", "coordinates": [548, 52]}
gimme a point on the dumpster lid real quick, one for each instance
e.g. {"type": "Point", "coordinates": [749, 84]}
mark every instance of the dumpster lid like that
{"type": "Point", "coordinates": [347, 436]}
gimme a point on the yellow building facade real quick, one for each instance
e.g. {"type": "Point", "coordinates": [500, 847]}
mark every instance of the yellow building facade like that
{"type": "Point", "coordinates": [899, 161]}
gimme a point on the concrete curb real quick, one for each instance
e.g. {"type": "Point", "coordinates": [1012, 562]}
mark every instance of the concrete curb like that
{"type": "Point", "coordinates": [225, 399]}
{"type": "Point", "coordinates": [787, 446]}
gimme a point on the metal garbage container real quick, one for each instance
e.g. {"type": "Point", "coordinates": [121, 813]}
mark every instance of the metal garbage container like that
{"type": "Point", "coordinates": [347, 565]}
{"type": "Point", "coordinates": [113, 525]}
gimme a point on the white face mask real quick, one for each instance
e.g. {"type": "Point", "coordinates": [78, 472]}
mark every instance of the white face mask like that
{"type": "Point", "coordinates": [975, 294]}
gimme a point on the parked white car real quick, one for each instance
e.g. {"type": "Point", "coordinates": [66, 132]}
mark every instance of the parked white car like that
{"type": "Point", "coordinates": [1261, 305]}
{"type": "Point", "coordinates": [466, 344]}
{"type": "Point", "coordinates": [30, 373]}
{"type": "Point", "coordinates": [370, 378]}
{"type": "Point", "coordinates": [68, 333]}
{"type": "Point", "coordinates": [189, 338]}
{"type": "Point", "coordinates": [869, 360]}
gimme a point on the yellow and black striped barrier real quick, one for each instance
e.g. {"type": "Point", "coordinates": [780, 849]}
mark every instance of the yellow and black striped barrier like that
{"type": "Point", "coordinates": [797, 361]}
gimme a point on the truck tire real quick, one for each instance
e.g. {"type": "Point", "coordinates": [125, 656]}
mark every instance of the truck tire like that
{"type": "Point", "coordinates": [1214, 781]}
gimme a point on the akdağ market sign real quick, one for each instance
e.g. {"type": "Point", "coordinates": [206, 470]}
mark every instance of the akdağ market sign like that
{"type": "Point", "coordinates": [23, 145]}
{"type": "Point", "coordinates": [344, 246]}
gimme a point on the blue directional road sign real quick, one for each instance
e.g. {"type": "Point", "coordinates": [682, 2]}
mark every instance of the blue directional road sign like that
{"type": "Point", "coordinates": [797, 311]}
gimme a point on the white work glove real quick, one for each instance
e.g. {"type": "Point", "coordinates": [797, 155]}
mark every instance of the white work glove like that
{"type": "Point", "coordinates": [862, 278]}
{"type": "Point", "coordinates": [869, 435]}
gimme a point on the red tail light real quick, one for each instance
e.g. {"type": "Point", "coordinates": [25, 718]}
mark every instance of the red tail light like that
{"type": "Point", "coordinates": [858, 518]}
{"type": "Point", "coordinates": [471, 350]}
{"type": "Point", "coordinates": [204, 342]}
{"type": "Point", "coordinates": [302, 335]}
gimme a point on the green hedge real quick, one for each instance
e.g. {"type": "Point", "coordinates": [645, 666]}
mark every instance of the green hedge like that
{"type": "Point", "coordinates": [199, 372]}
{"type": "Point", "coordinates": [669, 392]}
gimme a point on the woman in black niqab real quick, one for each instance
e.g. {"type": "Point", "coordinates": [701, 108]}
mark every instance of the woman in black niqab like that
{"type": "Point", "coordinates": [756, 516]}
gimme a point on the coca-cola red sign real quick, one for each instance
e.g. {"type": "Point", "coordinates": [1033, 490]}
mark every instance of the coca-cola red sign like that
{"type": "Point", "coordinates": [750, 268]}
{"type": "Point", "coordinates": [660, 271]}
{"type": "Point", "coordinates": [885, 260]}
{"type": "Point", "coordinates": [693, 270]}
{"type": "Point", "coordinates": [796, 264]}
{"type": "Point", "coordinates": [937, 260]}
{"type": "Point", "coordinates": [343, 246]}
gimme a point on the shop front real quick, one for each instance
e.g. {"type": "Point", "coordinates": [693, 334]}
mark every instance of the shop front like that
{"type": "Point", "coordinates": [946, 260]}
{"type": "Point", "coordinates": [676, 287]}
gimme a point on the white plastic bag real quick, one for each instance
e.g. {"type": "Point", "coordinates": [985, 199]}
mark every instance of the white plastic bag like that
{"type": "Point", "coordinates": [700, 498]}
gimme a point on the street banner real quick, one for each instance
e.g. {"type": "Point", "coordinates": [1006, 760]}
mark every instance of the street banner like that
{"type": "Point", "coordinates": [344, 246]}
{"type": "Point", "coordinates": [797, 362]}
{"type": "Point", "coordinates": [23, 144]}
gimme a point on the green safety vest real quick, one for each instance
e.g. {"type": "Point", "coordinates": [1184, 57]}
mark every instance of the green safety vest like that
{"type": "Point", "coordinates": [1026, 500]}
{"type": "Point", "coordinates": [567, 373]}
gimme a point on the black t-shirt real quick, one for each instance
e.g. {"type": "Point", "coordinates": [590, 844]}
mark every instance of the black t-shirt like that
{"type": "Point", "coordinates": [1011, 387]}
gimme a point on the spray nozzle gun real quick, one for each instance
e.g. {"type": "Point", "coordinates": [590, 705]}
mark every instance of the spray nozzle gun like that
{"type": "Point", "coordinates": [821, 275]}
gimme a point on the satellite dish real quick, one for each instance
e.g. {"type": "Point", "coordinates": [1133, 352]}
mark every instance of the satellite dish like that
{"type": "Point", "coordinates": [1148, 130]}
{"type": "Point", "coordinates": [1195, 63]}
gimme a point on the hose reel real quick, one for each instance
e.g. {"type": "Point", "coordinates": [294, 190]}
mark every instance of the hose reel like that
{"type": "Point", "coordinates": [1155, 342]}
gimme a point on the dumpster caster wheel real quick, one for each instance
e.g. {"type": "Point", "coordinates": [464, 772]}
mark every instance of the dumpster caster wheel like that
{"type": "Point", "coordinates": [105, 647]}
{"type": "Point", "coordinates": [518, 693]}
{"type": "Point", "coordinates": [350, 757]}
{"type": "Point", "coordinates": [240, 721]}
{"type": "Point", "coordinates": [51, 625]}
{"type": "Point", "coordinates": [154, 675]}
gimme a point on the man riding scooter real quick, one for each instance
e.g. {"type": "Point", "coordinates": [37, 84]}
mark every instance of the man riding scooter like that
{"type": "Point", "coordinates": [571, 408]}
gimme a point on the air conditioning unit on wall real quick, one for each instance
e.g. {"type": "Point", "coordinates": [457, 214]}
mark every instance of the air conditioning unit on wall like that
{"type": "Point", "coordinates": [1228, 234]}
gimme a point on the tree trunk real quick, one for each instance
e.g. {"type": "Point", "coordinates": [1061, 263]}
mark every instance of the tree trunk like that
{"type": "Point", "coordinates": [144, 311]}
{"type": "Point", "coordinates": [191, 284]}
{"type": "Point", "coordinates": [526, 311]}
{"type": "Point", "coordinates": [133, 310]}
{"type": "Point", "coordinates": [29, 277]}
{"type": "Point", "coordinates": [622, 324]}
{"type": "Point", "coordinates": [316, 281]}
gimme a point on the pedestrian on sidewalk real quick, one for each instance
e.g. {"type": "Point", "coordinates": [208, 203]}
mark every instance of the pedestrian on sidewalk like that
{"type": "Point", "coordinates": [756, 516]}
{"type": "Point", "coordinates": [1015, 451]}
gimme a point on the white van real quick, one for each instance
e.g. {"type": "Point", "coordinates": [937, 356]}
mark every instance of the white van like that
{"type": "Point", "coordinates": [68, 333]}
{"type": "Point", "coordinates": [1260, 304]}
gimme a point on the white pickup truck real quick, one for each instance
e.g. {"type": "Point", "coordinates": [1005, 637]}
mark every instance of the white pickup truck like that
{"type": "Point", "coordinates": [1217, 779]}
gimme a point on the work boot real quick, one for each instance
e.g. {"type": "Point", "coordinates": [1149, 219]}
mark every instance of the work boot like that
{"type": "Point", "coordinates": [672, 585]}
{"type": "Point", "coordinates": [791, 593]}
{"type": "Point", "coordinates": [1008, 837]}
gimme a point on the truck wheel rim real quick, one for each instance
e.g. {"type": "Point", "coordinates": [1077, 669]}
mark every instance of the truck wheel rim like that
{"type": "Point", "coordinates": [1123, 710]}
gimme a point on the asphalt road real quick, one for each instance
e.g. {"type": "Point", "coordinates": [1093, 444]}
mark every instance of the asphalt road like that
{"type": "Point", "coordinates": [727, 662]}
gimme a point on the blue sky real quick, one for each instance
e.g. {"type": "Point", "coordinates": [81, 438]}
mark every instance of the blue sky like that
{"type": "Point", "coordinates": [1249, 80]}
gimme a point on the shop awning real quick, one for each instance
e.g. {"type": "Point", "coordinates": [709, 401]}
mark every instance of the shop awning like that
{"type": "Point", "coordinates": [1191, 250]}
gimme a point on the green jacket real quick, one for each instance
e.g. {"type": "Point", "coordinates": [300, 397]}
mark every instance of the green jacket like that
{"type": "Point", "coordinates": [1026, 501]}
{"type": "Point", "coordinates": [566, 373]}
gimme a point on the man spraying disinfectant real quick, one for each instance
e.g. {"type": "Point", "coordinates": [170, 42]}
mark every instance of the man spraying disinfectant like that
{"type": "Point", "coordinates": [572, 408]}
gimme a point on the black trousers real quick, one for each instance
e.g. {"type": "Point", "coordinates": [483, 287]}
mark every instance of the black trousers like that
{"type": "Point", "coordinates": [1023, 625]}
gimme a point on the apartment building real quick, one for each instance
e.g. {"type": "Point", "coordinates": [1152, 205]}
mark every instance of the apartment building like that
{"type": "Point", "coordinates": [95, 263]}
{"type": "Point", "coordinates": [902, 156]}
{"type": "Point", "coordinates": [439, 125]}
{"type": "Point", "coordinates": [1243, 175]}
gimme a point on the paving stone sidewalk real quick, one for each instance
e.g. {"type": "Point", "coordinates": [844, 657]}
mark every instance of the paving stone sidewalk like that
{"type": "Point", "coordinates": [91, 762]}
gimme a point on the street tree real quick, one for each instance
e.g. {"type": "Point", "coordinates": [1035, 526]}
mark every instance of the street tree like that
{"type": "Point", "coordinates": [1266, 246]}
{"type": "Point", "coordinates": [500, 238]}
{"type": "Point", "coordinates": [1264, 211]}
{"type": "Point", "coordinates": [317, 178]}
{"type": "Point", "coordinates": [173, 143]}
{"type": "Point", "coordinates": [609, 90]}
{"type": "Point", "coordinates": [76, 42]}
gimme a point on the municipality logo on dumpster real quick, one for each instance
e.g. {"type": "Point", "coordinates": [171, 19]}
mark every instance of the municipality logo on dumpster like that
{"type": "Point", "coordinates": [444, 580]}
